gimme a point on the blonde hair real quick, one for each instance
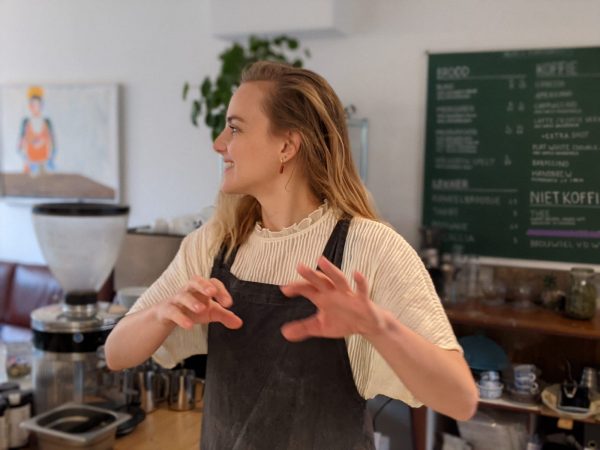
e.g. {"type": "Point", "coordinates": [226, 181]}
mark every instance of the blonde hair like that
{"type": "Point", "coordinates": [302, 101]}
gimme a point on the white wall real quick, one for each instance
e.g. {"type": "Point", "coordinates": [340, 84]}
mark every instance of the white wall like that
{"type": "Point", "coordinates": [151, 46]}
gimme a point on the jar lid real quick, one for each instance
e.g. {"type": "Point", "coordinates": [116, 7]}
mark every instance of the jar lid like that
{"type": "Point", "coordinates": [52, 318]}
{"type": "Point", "coordinates": [9, 386]}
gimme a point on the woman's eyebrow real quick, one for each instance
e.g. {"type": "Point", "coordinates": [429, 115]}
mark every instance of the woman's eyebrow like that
{"type": "Point", "coordinates": [231, 118]}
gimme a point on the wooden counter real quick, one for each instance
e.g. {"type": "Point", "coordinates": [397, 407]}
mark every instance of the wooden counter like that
{"type": "Point", "coordinates": [164, 428]}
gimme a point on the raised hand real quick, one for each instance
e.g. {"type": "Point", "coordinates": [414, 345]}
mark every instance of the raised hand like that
{"type": "Point", "coordinates": [199, 301]}
{"type": "Point", "coordinates": [341, 311]}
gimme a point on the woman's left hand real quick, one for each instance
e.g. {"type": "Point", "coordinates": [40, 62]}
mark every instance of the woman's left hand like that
{"type": "Point", "coordinates": [341, 311]}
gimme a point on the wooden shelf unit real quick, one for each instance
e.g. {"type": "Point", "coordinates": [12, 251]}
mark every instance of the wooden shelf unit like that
{"type": "Point", "coordinates": [543, 410]}
{"type": "Point", "coordinates": [536, 319]}
{"type": "Point", "coordinates": [527, 335]}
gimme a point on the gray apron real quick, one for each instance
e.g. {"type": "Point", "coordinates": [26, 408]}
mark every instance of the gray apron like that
{"type": "Point", "coordinates": [264, 392]}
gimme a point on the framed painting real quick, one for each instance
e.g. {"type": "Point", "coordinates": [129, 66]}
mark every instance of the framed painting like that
{"type": "Point", "coordinates": [59, 141]}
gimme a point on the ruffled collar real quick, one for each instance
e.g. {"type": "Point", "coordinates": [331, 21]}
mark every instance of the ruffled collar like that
{"type": "Point", "coordinates": [313, 217]}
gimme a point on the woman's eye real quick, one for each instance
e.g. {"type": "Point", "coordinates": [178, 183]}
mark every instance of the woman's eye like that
{"type": "Point", "coordinates": [233, 129]}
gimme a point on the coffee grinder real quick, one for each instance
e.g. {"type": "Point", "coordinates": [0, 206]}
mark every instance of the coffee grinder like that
{"type": "Point", "coordinates": [80, 242]}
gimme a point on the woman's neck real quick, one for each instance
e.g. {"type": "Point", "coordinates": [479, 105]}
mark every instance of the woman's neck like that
{"type": "Point", "coordinates": [280, 213]}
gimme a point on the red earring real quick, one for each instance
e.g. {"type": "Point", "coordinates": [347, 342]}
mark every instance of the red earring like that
{"type": "Point", "coordinates": [281, 168]}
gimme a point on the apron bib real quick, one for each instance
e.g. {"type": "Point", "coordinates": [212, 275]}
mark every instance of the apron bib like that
{"type": "Point", "coordinates": [264, 392]}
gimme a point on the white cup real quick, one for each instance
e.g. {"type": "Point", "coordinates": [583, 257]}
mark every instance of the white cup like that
{"type": "Point", "coordinates": [490, 384]}
{"type": "Point", "coordinates": [524, 369]}
{"type": "Point", "coordinates": [532, 388]}
{"type": "Point", "coordinates": [489, 375]}
{"type": "Point", "coordinates": [524, 378]}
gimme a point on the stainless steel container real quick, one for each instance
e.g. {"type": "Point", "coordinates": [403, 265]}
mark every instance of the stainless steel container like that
{"type": "Point", "coordinates": [76, 425]}
{"type": "Point", "coordinates": [183, 386]}
{"type": "Point", "coordinates": [66, 363]}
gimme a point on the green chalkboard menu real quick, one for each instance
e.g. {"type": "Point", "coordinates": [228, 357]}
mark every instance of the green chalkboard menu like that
{"type": "Point", "coordinates": [512, 166]}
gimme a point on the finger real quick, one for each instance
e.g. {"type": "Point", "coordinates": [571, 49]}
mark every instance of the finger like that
{"type": "Point", "coordinates": [299, 288]}
{"type": "Point", "coordinates": [225, 316]}
{"type": "Point", "coordinates": [177, 316]}
{"type": "Point", "coordinates": [333, 273]}
{"type": "Point", "coordinates": [195, 303]}
{"type": "Point", "coordinates": [317, 279]}
{"type": "Point", "coordinates": [200, 288]}
{"type": "Point", "coordinates": [300, 330]}
{"type": "Point", "coordinates": [362, 286]}
{"type": "Point", "coordinates": [222, 296]}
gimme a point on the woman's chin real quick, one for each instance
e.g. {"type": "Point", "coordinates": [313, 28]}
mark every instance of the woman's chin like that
{"type": "Point", "coordinates": [228, 188]}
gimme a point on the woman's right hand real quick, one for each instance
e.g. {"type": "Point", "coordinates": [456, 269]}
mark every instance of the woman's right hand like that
{"type": "Point", "coordinates": [199, 301]}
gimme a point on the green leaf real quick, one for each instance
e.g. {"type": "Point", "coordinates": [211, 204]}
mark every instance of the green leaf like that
{"type": "Point", "coordinates": [307, 53]}
{"type": "Point", "coordinates": [233, 62]}
{"type": "Point", "coordinates": [196, 109]}
{"type": "Point", "coordinates": [186, 88]}
{"type": "Point", "coordinates": [292, 44]}
{"type": "Point", "coordinates": [208, 119]}
{"type": "Point", "coordinates": [205, 87]}
{"type": "Point", "coordinates": [297, 63]}
{"type": "Point", "coordinates": [253, 43]}
{"type": "Point", "coordinates": [220, 123]}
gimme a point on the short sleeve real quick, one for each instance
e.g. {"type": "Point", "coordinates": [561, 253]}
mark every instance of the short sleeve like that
{"type": "Point", "coordinates": [193, 258]}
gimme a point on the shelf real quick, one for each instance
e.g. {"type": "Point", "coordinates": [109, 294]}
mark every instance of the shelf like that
{"type": "Point", "coordinates": [542, 410]}
{"type": "Point", "coordinates": [535, 319]}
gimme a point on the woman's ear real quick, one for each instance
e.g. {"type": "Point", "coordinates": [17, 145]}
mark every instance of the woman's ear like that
{"type": "Point", "coordinates": [291, 145]}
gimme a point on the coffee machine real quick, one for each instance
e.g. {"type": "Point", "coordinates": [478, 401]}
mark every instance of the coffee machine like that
{"type": "Point", "coordinates": [80, 242]}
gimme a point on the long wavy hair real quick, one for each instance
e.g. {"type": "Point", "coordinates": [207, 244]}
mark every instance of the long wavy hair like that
{"type": "Point", "coordinates": [302, 101]}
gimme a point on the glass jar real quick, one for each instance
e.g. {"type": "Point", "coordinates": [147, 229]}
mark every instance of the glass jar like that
{"type": "Point", "coordinates": [581, 299]}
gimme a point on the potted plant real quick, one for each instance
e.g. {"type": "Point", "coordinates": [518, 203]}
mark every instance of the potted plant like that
{"type": "Point", "coordinates": [213, 95]}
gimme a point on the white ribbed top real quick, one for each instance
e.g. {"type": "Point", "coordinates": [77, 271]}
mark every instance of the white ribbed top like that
{"type": "Point", "coordinates": [398, 282]}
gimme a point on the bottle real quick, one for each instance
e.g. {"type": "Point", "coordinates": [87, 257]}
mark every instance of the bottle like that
{"type": "Point", "coordinates": [581, 298]}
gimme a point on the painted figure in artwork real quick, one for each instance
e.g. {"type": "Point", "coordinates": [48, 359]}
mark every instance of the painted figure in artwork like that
{"type": "Point", "coordinates": [37, 145]}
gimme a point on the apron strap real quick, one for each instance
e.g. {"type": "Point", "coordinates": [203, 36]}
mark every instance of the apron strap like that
{"type": "Point", "coordinates": [334, 249]}
{"type": "Point", "coordinates": [220, 260]}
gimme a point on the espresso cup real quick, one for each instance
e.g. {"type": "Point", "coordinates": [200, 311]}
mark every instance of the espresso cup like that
{"type": "Point", "coordinates": [490, 384]}
{"type": "Point", "coordinates": [524, 385]}
{"type": "Point", "coordinates": [532, 388]}
{"type": "Point", "coordinates": [525, 377]}
{"type": "Point", "coordinates": [490, 375]}
{"type": "Point", "coordinates": [523, 369]}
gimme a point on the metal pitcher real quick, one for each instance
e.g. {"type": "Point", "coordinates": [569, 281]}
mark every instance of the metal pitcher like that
{"type": "Point", "coordinates": [183, 386]}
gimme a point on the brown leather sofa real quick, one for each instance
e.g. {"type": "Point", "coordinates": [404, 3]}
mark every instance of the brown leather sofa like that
{"type": "Point", "coordinates": [25, 287]}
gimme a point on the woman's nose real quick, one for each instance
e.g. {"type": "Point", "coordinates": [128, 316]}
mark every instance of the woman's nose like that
{"type": "Point", "coordinates": [219, 144]}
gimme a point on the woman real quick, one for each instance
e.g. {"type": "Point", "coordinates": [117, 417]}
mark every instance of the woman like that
{"type": "Point", "coordinates": [296, 350]}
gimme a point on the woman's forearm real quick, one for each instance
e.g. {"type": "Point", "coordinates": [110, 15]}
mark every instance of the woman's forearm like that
{"type": "Point", "coordinates": [439, 378]}
{"type": "Point", "coordinates": [135, 338]}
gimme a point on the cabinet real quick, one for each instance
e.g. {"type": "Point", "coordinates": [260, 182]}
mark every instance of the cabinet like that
{"type": "Point", "coordinates": [536, 335]}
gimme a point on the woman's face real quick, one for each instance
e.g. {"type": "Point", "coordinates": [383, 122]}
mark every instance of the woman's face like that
{"type": "Point", "coordinates": [251, 153]}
